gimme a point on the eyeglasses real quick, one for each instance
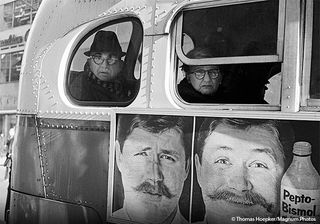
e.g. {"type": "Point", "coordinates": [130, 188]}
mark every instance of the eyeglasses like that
{"type": "Point", "coordinates": [97, 59]}
{"type": "Point", "coordinates": [213, 73]}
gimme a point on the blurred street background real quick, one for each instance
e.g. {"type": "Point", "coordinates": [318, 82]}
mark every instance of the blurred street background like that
{"type": "Point", "coordinates": [16, 18]}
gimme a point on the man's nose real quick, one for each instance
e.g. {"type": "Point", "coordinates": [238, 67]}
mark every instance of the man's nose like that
{"type": "Point", "coordinates": [239, 180]}
{"type": "Point", "coordinates": [104, 63]}
{"type": "Point", "coordinates": [156, 168]}
{"type": "Point", "coordinates": [206, 77]}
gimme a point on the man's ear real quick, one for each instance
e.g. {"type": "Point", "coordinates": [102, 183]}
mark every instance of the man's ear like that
{"type": "Point", "coordinates": [118, 155]}
{"type": "Point", "coordinates": [198, 168]}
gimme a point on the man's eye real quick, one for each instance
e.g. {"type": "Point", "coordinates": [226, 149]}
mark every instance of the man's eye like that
{"type": "Point", "coordinates": [198, 72]}
{"type": "Point", "coordinates": [257, 164]}
{"type": "Point", "coordinates": [168, 157]}
{"type": "Point", "coordinates": [222, 161]}
{"type": "Point", "coordinates": [141, 154]}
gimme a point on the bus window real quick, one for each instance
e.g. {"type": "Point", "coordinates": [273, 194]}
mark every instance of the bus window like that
{"type": "Point", "coordinates": [230, 53]}
{"type": "Point", "coordinates": [105, 70]}
{"type": "Point", "coordinates": [315, 55]}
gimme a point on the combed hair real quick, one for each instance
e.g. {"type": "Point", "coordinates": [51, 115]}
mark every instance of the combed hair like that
{"type": "Point", "coordinates": [156, 124]}
{"type": "Point", "coordinates": [209, 125]}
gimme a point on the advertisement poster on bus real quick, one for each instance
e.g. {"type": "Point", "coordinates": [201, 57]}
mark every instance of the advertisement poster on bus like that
{"type": "Point", "coordinates": [188, 169]}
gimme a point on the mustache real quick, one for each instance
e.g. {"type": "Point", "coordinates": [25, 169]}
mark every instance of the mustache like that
{"type": "Point", "coordinates": [248, 198]}
{"type": "Point", "coordinates": [158, 189]}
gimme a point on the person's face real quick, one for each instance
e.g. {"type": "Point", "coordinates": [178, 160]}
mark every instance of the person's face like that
{"type": "Point", "coordinates": [239, 175]}
{"type": "Point", "coordinates": [153, 169]}
{"type": "Point", "coordinates": [207, 85]}
{"type": "Point", "coordinates": [105, 66]}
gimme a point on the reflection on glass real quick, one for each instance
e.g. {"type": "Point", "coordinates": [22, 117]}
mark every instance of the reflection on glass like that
{"type": "Point", "coordinates": [236, 30]}
{"type": "Point", "coordinates": [315, 58]}
{"type": "Point", "coordinates": [80, 169]}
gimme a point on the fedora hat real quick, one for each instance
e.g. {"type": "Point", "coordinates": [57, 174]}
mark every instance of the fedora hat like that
{"type": "Point", "coordinates": [105, 41]}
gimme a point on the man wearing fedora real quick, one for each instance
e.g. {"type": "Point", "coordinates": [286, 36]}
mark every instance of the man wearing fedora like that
{"type": "Point", "coordinates": [103, 78]}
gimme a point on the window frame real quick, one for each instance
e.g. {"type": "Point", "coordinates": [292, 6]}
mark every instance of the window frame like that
{"type": "Point", "coordinates": [308, 103]}
{"type": "Point", "coordinates": [179, 55]}
{"type": "Point", "coordinates": [136, 24]}
{"type": "Point", "coordinates": [232, 59]}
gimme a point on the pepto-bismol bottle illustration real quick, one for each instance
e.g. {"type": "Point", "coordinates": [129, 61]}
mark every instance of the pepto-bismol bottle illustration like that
{"type": "Point", "coordinates": [300, 188]}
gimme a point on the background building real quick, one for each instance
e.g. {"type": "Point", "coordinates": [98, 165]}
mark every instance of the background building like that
{"type": "Point", "coordinates": [16, 17]}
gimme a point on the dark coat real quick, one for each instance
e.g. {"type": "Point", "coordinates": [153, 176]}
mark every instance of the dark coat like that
{"type": "Point", "coordinates": [85, 86]}
{"type": "Point", "coordinates": [190, 95]}
{"type": "Point", "coordinates": [228, 93]}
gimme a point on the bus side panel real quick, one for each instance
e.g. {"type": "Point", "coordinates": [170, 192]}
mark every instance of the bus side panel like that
{"type": "Point", "coordinates": [75, 160]}
{"type": "Point", "coordinates": [26, 169]}
{"type": "Point", "coordinates": [65, 164]}
{"type": "Point", "coordinates": [30, 209]}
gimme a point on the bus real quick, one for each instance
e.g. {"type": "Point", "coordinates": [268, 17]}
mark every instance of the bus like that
{"type": "Point", "coordinates": [133, 147]}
